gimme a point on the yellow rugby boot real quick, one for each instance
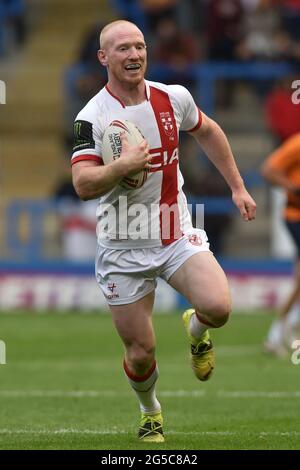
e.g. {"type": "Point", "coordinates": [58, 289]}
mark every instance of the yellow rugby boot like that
{"type": "Point", "coordinates": [202, 355]}
{"type": "Point", "coordinates": [150, 429]}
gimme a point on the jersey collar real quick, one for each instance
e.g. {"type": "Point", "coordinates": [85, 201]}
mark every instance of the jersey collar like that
{"type": "Point", "coordinates": [147, 92]}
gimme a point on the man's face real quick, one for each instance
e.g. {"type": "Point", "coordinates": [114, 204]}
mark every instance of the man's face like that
{"type": "Point", "coordinates": [124, 54]}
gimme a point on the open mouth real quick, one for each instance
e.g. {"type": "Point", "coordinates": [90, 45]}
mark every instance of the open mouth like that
{"type": "Point", "coordinates": [133, 66]}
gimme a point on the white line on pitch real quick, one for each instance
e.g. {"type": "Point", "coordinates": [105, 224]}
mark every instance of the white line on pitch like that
{"type": "Point", "coordinates": [92, 393]}
{"type": "Point", "coordinates": [117, 431]}
{"type": "Point", "coordinates": [63, 431]}
{"type": "Point", "coordinates": [258, 394]}
{"type": "Point", "coordinates": [162, 393]}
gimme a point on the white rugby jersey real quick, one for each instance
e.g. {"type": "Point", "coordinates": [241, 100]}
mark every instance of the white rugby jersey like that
{"type": "Point", "coordinates": [155, 214]}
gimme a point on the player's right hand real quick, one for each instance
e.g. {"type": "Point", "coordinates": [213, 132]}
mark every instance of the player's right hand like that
{"type": "Point", "coordinates": [244, 203]}
{"type": "Point", "coordinates": [134, 159]}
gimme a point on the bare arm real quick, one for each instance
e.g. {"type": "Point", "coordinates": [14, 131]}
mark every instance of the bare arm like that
{"type": "Point", "coordinates": [216, 146]}
{"type": "Point", "coordinates": [277, 177]}
{"type": "Point", "coordinates": [92, 181]}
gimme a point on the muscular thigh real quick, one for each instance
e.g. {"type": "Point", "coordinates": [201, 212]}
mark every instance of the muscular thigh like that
{"type": "Point", "coordinates": [134, 322]}
{"type": "Point", "coordinates": [202, 281]}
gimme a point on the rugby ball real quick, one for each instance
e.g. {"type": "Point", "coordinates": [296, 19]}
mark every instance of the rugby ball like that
{"type": "Point", "coordinates": [112, 147]}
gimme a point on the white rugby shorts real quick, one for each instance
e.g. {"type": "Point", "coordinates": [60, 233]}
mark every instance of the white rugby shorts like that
{"type": "Point", "coordinates": [126, 276]}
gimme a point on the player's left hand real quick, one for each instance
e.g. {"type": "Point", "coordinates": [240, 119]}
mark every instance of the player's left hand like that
{"type": "Point", "coordinates": [245, 204]}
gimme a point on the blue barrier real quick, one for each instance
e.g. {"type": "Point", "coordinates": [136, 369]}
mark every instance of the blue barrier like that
{"type": "Point", "coordinates": [206, 74]}
{"type": "Point", "coordinates": [42, 266]}
{"type": "Point", "coordinates": [265, 266]}
{"type": "Point", "coordinates": [36, 211]}
{"type": "Point", "coordinates": [213, 205]}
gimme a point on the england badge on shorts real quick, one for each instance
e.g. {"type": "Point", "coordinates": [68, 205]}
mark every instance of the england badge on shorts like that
{"type": "Point", "coordinates": [195, 239]}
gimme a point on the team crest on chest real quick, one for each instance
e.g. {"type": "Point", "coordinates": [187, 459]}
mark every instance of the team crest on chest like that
{"type": "Point", "coordinates": [167, 123]}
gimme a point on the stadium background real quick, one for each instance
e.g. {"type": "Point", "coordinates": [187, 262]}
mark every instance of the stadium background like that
{"type": "Point", "coordinates": [55, 362]}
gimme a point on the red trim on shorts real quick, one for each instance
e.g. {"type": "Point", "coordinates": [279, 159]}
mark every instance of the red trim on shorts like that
{"type": "Point", "coordinates": [115, 97]}
{"type": "Point", "coordinates": [199, 123]}
{"type": "Point", "coordinates": [204, 321]}
{"type": "Point", "coordinates": [82, 158]}
{"type": "Point", "coordinates": [139, 378]}
{"type": "Point", "coordinates": [163, 109]}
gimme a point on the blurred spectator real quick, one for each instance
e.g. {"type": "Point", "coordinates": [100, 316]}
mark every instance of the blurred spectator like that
{"type": "Point", "coordinates": [169, 35]}
{"type": "Point", "coordinates": [156, 10]}
{"type": "Point", "coordinates": [83, 80]}
{"type": "Point", "coordinates": [282, 168]}
{"type": "Point", "coordinates": [12, 23]}
{"type": "Point", "coordinates": [77, 223]}
{"type": "Point", "coordinates": [260, 31]}
{"type": "Point", "coordinates": [288, 39]}
{"type": "Point", "coordinates": [288, 48]}
{"type": "Point", "coordinates": [131, 10]}
{"type": "Point", "coordinates": [223, 28]}
{"type": "Point", "coordinates": [146, 13]}
{"type": "Point", "coordinates": [176, 48]}
{"type": "Point", "coordinates": [283, 116]}
{"type": "Point", "coordinates": [290, 11]}
{"type": "Point", "coordinates": [192, 15]}
{"type": "Point", "coordinates": [16, 17]}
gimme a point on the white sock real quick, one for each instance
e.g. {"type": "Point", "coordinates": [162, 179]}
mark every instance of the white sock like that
{"type": "Point", "coordinates": [293, 317]}
{"type": "Point", "coordinates": [197, 328]}
{"type": "Point", "coordinates": [275, 333]}
{"type": "Point", "coordinates": [144, 388]}
{"type": "Point", "coordinates": [291, 327]}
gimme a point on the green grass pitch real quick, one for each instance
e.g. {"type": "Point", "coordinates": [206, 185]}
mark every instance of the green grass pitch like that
{"type": "Point", "coordinates": [63, 387]}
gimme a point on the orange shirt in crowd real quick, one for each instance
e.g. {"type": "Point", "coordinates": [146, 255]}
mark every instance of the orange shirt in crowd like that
{"type": "Point", "coordinates": [286, 159]}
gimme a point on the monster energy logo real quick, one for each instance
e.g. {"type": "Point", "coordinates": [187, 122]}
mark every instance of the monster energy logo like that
{"type": "Point", "coordinates": [2, 352]}
{"type": "Point", "coordinates": [77, 129]}
{"type": "Point", "coordinates": [83, 135]}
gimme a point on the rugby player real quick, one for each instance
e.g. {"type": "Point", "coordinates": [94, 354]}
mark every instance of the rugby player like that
{"type": "Point", "coordinates": [127, 266]}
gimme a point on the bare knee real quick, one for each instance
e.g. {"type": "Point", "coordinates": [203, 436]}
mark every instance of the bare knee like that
{"type": "Point", "coordinates": [216, 314]}
{"type": "Point", "coordinates": [139, 358]}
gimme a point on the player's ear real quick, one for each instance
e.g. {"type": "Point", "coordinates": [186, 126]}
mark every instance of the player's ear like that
{"type": "Point", "coordinates": [102, 57]}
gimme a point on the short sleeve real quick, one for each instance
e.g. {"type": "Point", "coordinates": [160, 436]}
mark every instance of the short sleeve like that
{"type": "Point", "coordinates": [86, 140]}
{"type": "Point", "coordinates": [191, 117]}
